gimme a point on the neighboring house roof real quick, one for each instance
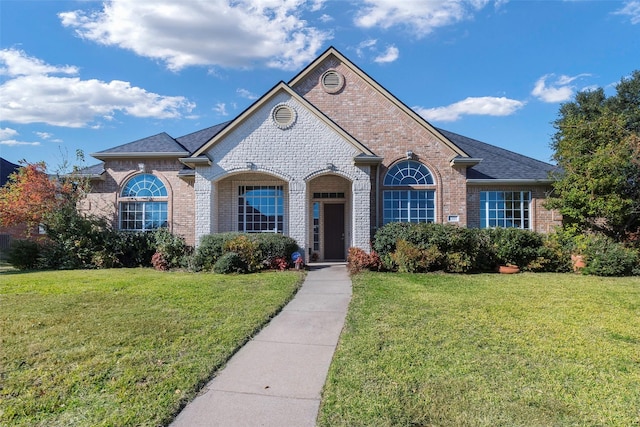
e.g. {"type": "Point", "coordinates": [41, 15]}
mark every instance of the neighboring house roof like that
{"type": "Point", "coordinates": [160, 145]}
{"type": "Point", "coordinates": [499, 164]}
{"type": "Point", "coordinates": [6, 169]}
{"type": "Point", "coordinates": [93, 171]}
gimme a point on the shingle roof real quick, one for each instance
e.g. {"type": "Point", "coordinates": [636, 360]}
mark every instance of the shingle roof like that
{"type": "Point", "coordinates": [197, 139]}
{"type": "Point", "coordinates": [160, 143]}
{"type": "Point", "coordinates": [498, 163]}
{"type": "Point", "coordinates": [92, 171]}
{"type": "Point", "coordinates": [6, 169]}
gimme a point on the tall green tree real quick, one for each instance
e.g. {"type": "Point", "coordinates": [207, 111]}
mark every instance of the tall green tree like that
{"type": "Point", "coordinates": [597, 146]}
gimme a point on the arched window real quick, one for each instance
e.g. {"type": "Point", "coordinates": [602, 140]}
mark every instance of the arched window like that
{"type": "Point", "coordinates": [409, 204]}
{"type": "Point", "coordinates": [147, 214]}
{"type": "Point", "coordinates": [408, 172]}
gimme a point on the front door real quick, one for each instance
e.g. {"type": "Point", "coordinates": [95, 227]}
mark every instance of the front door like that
{"type": "Point", "coordinates": [334, 231]}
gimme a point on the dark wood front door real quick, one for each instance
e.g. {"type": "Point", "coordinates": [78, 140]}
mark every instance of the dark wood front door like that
{"type": "Point", "coordinates": [334, 231]}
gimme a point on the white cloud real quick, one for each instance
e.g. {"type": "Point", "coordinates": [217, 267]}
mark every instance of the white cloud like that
{"type": "Point", "coordinates": [7, 133]}
{"type": "Point", "coordinates": [483, 106]}
{"type": "Point", "coordinates": [14, 143]}
{"type": "Point", "coordinates": [44, 135]}
{"type": "Point", "coordinates": [246, 94]}
{"type": "Point", "coordinates": [560, 90]}
{"type": "Point", "coordinates": [204, 32]}
{"type": "Point", "coordinates": [422, 17]}
{"type": "Point", "coordinates": [631, 9]}
{"type": "Point", "coordinates": [391, 54]}
{"type": "Point", "coordinates": [34, 95]}
{"type": "Point", "coordinates": [317, 5]}
{"type": "Point", "coordinates": [221, 109]}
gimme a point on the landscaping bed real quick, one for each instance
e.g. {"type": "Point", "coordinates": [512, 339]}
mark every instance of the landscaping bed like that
{"type": "Point", "coordinates": [487, 350]}
{"type": "Point", "coordinates": [125, 347]}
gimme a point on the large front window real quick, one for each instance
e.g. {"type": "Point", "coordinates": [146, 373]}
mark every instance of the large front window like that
{"type": "Point", "coordinates": [260, 208]}
{"type": "Point", "coordinates": [505, 209]}
{"type": "Point", "coordinates": [147, 214]}
{"type": "Point", "coordinates": [405, 202]}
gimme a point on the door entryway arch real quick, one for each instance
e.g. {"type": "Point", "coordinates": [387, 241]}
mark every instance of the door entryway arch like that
{"type": "Point", "coordinates": [330, 213]}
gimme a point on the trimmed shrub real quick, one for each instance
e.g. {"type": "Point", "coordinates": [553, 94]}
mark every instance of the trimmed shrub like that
{"type": "Point", "coordinates": [247, 249]}
{"type": "Point", "coordinates": [359, 260]}
{"type": "Point", "coordinates": [159, 262]}
{"type": "Point", "coordinates": [211, 248]}
{"type": "Point", "coordinates": [515, 246]}
{"type": "Point", "coordinates": [132, 249]}
{"type": "Point", "coordinates": [279, 263]}
{"type": "Point", "coordinates": [274, 245]}
{"type": "Point", "coordinates": [229, 263]}
{"type": "Point", "coordinates": [24, 254]}
{"type": "Point", "coordinates": [410, 258]}
{"type": "Point", "coordinates": [605, 257]}
{"type": "Point", "coordinates": [259, 250]}
{"type": "Point", "coordinates": [173, 249]}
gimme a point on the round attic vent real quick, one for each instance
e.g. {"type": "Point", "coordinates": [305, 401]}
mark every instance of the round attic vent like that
{"type": "Point", "coordinates": [283, 116]}
{"type": "Point", "coordinates": [332, 81]}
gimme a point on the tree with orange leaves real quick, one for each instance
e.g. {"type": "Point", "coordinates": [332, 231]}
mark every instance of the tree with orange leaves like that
{"type": "Point", "coordinates": [30, 194]}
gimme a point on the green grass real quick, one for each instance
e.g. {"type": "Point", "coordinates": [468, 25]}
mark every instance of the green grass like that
{"type": "Point", "coordinates": [125, 347]}
{"type": "Point", "coordinates": [487, 350]}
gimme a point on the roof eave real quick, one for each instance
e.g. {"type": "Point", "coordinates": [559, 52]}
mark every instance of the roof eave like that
{"type": "Point", "coordinates": [539, 181]}
{"type": "Point", "coordinates": [140, 154]}
{"type": "Point", "coordinates": [465, 161]}
{"type": "Point", "coordinates": [367, 160]}
{"type": "Point", "coordinates": [192, 162]}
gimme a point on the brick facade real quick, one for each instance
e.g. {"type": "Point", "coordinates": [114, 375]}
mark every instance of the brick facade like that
{"type": "Point", "coordinates": [105, 195]}
{"type": "Point", "coordinates": [315, 153]}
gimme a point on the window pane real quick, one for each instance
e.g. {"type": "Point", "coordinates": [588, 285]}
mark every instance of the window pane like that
{"type": "Point", "coordinates": [408, 172]}
{"type": "Point", "coordinates": [409, 206]}
{"type": "Point", "coordinates": [263, 208]}
{"type": "Point", "coordinates": [505, 209]}
{"type": "Point", "coordinates": [144, 185]}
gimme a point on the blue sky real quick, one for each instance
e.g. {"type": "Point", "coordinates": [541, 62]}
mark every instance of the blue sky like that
{"type": "Point", "coordinates": [92, 75]}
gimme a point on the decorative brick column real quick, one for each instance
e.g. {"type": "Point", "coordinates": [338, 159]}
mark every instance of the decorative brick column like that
{"type": "Point", "coordinates": [361, 222]}
{"type": "Point", "coordinates": [298, 213]}
{"type": "Point", "coordinates": [205, 206]}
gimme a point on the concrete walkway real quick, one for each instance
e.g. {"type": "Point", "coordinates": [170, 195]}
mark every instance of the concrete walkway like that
{"type": "Point", "coordinates": [277, 377]}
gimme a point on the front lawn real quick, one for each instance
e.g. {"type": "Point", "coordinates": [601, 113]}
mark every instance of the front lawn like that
{"type": "Point", "coordinates": [487, 350]}
{"type": "Point", "coordinates": [124, 347]}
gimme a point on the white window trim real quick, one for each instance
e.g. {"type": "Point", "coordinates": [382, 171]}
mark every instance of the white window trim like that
{"type": "Point", "coordinates": [522, 194]}
{"type": "Point", "coordinates": [285, 199]}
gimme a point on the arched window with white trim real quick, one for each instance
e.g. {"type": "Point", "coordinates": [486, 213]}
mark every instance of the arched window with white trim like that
{"type": "Point", "coordinates": [411, 197]}
{"type": "Point", "coordinates": [143, 203]}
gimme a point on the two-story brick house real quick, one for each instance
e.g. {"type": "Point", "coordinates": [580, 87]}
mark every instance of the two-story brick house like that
{"type": "Point", "coordinates": [326, 158]}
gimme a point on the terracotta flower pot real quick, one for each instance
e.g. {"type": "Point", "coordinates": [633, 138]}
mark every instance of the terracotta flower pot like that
{"type": "Point", "coordinates": [508, 269]}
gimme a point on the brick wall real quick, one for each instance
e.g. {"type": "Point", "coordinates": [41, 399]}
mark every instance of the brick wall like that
{"type": "Point", "coordinates": [542, 219]}
{"type": "Point", "coordinates": [387, 130]}
{"type": "Point", "coordinates": [259, 151]}
{"type": "Point", "coordinates": [104, 196]}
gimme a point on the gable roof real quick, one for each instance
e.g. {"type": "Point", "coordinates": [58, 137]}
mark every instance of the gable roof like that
{"type": "Point", "coordinates": [499, 164]}
{"type": "Point", "coordinates": [6, 169]}
{"type": "Point", "coordinates": [332, 51]}
{"type": "Point", "coordinates": [193, 141]}
{"type": "Point", "coordinates": [160, 145]}
{"type": "Point", "coordinates": [280, 87]}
